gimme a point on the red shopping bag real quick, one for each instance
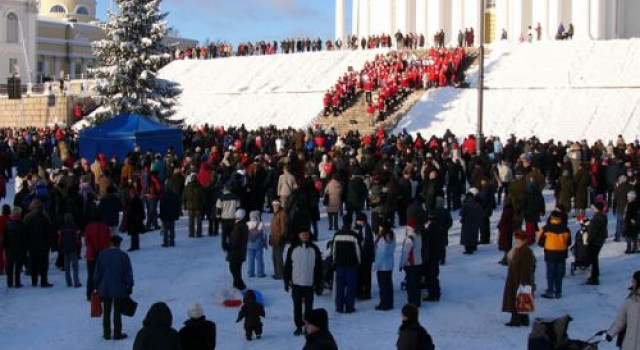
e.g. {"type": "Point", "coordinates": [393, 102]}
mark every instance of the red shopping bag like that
{"type": "Point", "coordinates": [96, 305]}
{"type": "Point", "coordinates": [524, 300]}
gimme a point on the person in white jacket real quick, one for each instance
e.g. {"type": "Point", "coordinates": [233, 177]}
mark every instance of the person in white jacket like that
{"type": "Point", "coordinates": [411, 261]}
{"type": "Point", "coordinates": [629, 318]}
{"type": "Point", "coordinates": [383, 264]}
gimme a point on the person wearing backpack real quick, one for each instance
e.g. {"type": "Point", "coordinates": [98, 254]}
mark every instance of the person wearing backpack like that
{"type": "Point", "coordinates": [412, 336]}
{"type": "Point", "coordinates": [256, 244]}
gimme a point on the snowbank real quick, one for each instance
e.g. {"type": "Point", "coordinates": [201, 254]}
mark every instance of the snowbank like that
{"type": "Point", "coordinates": [560, 90]}
{"type": "Point", "coordinates": [281, 90]}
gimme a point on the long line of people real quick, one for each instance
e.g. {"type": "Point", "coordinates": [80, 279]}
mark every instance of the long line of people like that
{"type": "Point", "coordinates": [398, 180]}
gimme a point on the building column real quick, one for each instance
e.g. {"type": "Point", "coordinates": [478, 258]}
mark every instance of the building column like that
{"type": "Point", "coordinates": [365, 18]}
{"type": "Point", "coordinates": [72, 68]}
{"type": "Point", "coordinates": [598, 19]}
{"type": "Point", "coordinates": [472, 18]}
{"type": "Point", "coordinates": [515, 28]}
{"type": "Point", "coordinates": [434, 19]}
{"type": "Point", "coordinates": [45, 66]}
{"type": "Point", "coordinates": [457, 18]}
{"type": "Point", "coordinates": [355, 18]}
{"type": "Point", "coordinates": [57, 68]}
{"type": "Point", "coordinates": [581, 16]}
{"type": "Point", "coordinates": [541, 15]}
{"type": "Point", "coordinates": [341, 23]}
{"type": "Point", "coordinates": [555, 17]}
{"type": "Point", "coordinates": [421, 18]}
{"type": "Point", "coordinates": [502, 18]}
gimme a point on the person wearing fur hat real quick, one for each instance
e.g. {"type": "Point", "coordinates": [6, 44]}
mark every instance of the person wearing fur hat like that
{"type": "Point", "coordinates": [198, 333]}
{"type": "Point", "coordinates": [412, 336]}
{"type": "Point", "coordinates": [597, 236]}
{"type": "Point", "coordinates": [411, 261]}
{"type": "Point", "coordinates": [318, 336]}
{"type": "Point", "coordinates": [251, 312]}
{"type": "Point", "coordinates": [237, 249]}
{"type": "Point", "coordinates": [521, 262]}
{"type": "Point", "coordinates": [471, 216]}
{"type": "Point", "coordinates": [257, 242]}
{"type": "Point", "coordinates": [556, 240]}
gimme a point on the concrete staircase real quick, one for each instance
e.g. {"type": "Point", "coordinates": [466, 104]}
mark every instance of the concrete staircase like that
{"type": "Point", "coordinates": [356, 118]}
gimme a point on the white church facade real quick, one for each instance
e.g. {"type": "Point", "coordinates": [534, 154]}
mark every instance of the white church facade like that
{"type": "Point", "coordinates": [592, 19]}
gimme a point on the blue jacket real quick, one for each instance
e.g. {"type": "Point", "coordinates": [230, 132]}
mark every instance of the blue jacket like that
{"type": "Point", "coordinates": [384, 254]}
{"type": "Point", "coordinates": [113, 275]}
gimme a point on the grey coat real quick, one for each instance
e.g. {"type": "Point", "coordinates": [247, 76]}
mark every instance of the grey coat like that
{"type": "Point", "coordinates": [629, 317]}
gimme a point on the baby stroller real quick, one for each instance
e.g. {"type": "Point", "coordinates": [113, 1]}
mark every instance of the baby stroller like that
{"type": "Point", "coordinates": [580, 249]}
{"type": "Point", "coordinates": [551, 334]}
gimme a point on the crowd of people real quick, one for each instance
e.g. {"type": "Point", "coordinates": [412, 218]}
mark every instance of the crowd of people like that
{"type": "Point", "coordinates": [376, 182]}
{"type": "Point", "coordinates": [401, 41]}
{"type": "Point", "coordinates": [390, 78]}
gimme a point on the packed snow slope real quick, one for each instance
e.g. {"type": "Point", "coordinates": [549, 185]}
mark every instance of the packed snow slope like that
{"type": "Point", "coordinates": [281, 90]}
{"type": "Point", "coordinates": [560, 90]}
{"type": "Point", "coordinates": [468, 316]}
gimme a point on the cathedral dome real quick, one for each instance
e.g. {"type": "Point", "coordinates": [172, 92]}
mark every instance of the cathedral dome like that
{"type": "Point", "coordinates": [80, 10]}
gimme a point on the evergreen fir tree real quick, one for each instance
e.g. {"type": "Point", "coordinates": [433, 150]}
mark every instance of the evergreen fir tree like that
{"type": "Point", "coordinates": [128, 61]}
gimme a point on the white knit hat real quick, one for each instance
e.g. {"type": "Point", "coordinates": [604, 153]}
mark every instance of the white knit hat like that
{"type": "Point", "coordinates": [195, 311]}
{"type": "Point", "coordinates": [474, 191]}
{"type": "Point", "coordinates": [240, 214]}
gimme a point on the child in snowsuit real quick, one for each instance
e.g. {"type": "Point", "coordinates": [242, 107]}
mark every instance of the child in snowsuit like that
{"type": "Point", "coordinates": [251, 312]}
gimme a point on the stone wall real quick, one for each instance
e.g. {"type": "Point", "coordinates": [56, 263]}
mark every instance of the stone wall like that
{"type": "Point", "coordinates": [36, 111]}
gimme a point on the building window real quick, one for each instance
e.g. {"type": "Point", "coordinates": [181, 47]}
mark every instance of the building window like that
{"type": "Point", "coordinates": [12, 28]}
{"type": "Point", "coordinates": [58, 9]}
{"type": "Point", "coordinates": [83, 11]}
{"type": "Point", "coordinates": [491, 4]}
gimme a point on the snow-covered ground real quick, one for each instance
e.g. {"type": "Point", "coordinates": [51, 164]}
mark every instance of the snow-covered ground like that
{"type": "Point", "coordinates": [561, 90]}
{"type": "Point", "coordinates": [281, 90]}
{"type": "Point", "coordinates": [467, 317]}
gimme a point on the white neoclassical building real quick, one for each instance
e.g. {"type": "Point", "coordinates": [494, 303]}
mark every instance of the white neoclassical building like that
{"type": "Point", "coordinates": [592, 19]}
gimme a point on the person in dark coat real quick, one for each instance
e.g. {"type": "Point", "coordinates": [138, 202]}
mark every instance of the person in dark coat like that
{"type": "Point", "coordinates": [412, 336]}
{"type": "Point", "coordinates": [631, 223]}
{"type": "Point", "coordinates": [251, 312]}
{"type": "Point", "coordinates": [532, 210]}
{"type": "Point", "coordinates": [505, 231]}
{"type": "Point", "coordinates": [313, 198]}
{"type": "Point", "coordinates": [40, 239]}
{"type": "Point", "coordinates": [433, 245]}
{"type": "Point", "coordinates": [113, 279]}
{"type": "Point", "coordinates": [471, 216]}
{"type": "Point", "coordinates": [169, 214]}
{"type": "Point", "coordinates": [193, 202]}
{"type": "Point", "coordinates": [347, 258]}
{"type": "Point", "coordinates": [356, 196]}
{"type": "Point", "coordinates": [133, 219]}
{"type": "Point", "coordinates": [156, 332]}
{"type": "Point", "coordinates": [14, 247]}
{"type": "Point", "coordinates": [318, 336]}
{"type": "Point", "coordinates": [582, 181]}
{"type": "Point", "coordinates": [522, 264]}
{"type": "Point", "coordinates": [198, 333]}
{"type": "Point", "coordinates": [237, 252]}
{"type": "Point", "coordinates": [443, 217]}
{"type": "Point", "coordinates": [367, 251]}
{"type": "Point", "coordinates": [597, 236]}
{"type": "Point", "coordinates": [110, 207]}
{"type": "Point", "coordinates": [69, 244]}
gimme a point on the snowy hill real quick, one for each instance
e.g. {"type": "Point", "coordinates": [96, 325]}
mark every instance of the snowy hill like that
{"type": "Point", "coordinates": [283, 90]}
{"type": "Point", "coordinates": [560, 90]}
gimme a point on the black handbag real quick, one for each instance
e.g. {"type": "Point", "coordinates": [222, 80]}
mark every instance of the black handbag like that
{"type": "Point", "coordinates": [128, 307]}
{"type": "Point", "coordinates": [325, 200]}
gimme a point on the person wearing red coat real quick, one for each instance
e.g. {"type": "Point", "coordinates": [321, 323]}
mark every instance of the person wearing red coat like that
{"type": "Point", "coordinates": [336, 104]}
{"type": "Point", "coordinates": [505, 231]}
{"type": "Point", "coordinates": [97, 236]}
{"type": "Point", "coordinates": [371, 111]}
{"type": "Point", "coordinates": [368, 86]}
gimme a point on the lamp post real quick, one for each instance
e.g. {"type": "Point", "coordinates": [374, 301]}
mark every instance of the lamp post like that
{"type": "Point", "coordinates": [480, 136]}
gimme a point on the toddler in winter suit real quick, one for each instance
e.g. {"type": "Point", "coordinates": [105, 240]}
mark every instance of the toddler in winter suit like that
{"type": "Point", "coordinates": [256, 243]}
{"type": "Point", "coordinates": [251, 312]}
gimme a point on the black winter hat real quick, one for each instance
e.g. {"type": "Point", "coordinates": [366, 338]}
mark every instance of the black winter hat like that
{"type": "Point", "coordinates": [318, 318]}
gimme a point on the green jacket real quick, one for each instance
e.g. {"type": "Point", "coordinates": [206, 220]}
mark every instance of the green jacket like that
{"type": "Point", "coordinates": [193, 197]}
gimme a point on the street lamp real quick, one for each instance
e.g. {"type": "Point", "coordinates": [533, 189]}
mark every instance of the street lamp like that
{"type": "Point", "coordinates": [480, 136]}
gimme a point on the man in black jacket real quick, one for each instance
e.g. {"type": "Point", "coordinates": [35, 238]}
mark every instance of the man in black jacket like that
{"type": "Point", "coordinates": [40, 237]}
{"type": "Point", "coordinates": [169, 213]}
{"type": "Point", "coordinates": [597, 236]}
{"type": "Point", "coordinates": [237, 252]}
{"type": "Point", "coordinates": [367, 247]}
{"type": "Point", "coordinates": [198, 333]}
{"type": "Point", "coordinates": [110, 207]}
{"type": "Point", "coordinates": [317, 328]}
{"type": "Point", "coordinates": [346, 257]}
{"type": "Point", "coordinates": [433, 243]}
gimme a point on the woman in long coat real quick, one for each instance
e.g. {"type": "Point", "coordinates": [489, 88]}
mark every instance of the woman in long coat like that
{"type": "Point", "coordinates": [565, 190]}
{"type": "Point", "coordinates": [133, 219]}
{"type": "Point", "coordinates": [471, 216]}
{"type": "Point", "coordinates": [522, 264]}
{"type": "Point", "coordinates": [333, 193]}
{"type": "Point", "coordinates": [629, 318]}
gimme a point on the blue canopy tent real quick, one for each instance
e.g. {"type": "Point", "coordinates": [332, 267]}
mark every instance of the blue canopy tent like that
{"type": "Point", "coordinates": [121, 134]}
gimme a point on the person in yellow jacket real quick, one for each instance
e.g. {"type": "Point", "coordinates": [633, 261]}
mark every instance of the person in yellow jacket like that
{"type": "Point", "coordinates": [555, 238]}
